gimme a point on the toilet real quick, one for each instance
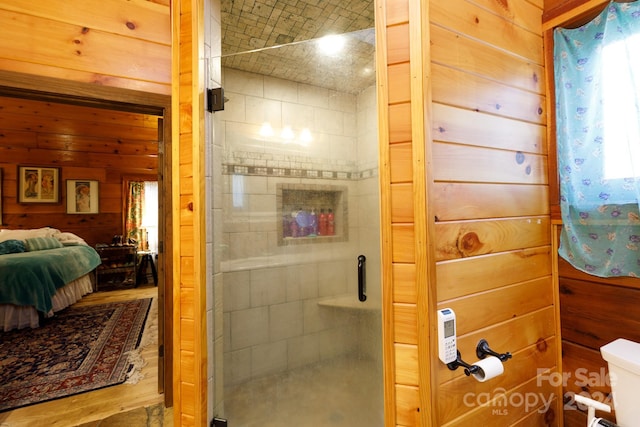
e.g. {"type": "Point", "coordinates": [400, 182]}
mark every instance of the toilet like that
{"type": "Point", "coordinates": [623, 357]}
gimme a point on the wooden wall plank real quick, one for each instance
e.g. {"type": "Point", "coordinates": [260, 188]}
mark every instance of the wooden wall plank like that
{"type": "Point", "coordinates": [451, 86]}
{"type": "Point", "coordinates": [402, 202]}
{"type": "Point", "coordinates": [497, 305]}
{"type": "Point", "coordinates": [402, 236]}
{"type": "Point", "coordinates": [76, 126]}
{"type": "Point", "coordinates": [408, 406]}
{"type": "Point", "coordinates": [400, 123]}
{"type": "Point", "coordinates": [522, 13]}
{"type": "Point", "coordinates": [93, 144]}
{"type": "Point", "coordinates": [25, 68]}
{"type": "Point", "coordinates": [130, 19]}
{"type": "Point", "coordinates": [475, 164]}
{"type": "Point", "coordinates": [58, 111]}
{"type": "Point", "coordinates": [465, 276]}
{"type": "Point", "coordinates": [404, 283]}
{"type": "Point", "coordinates": [460, 52]}
{"type": "Point", "coordinates": [588, 310]}
{"type": "Point", "coordinates": [406, 364]}
{"type": "Point", "coordinates": [480, 24]}
{"type": "Point", "coordinates": [399, 83]}
{"type": "Point", "coordinates": [140, 164]}
{"type": "Point", "coordinates": [397, 44]}
{"type": "Point", "coordinates": [470, 127]}
{"type": "Point", "coordinates": [465, 238]}
{"type": "Point", "coordinates": [400, 162]}
{"type": "Point", "coordinates": [459, 201]}
{"type": "Point", "coordinates": [395, 12]}
{"type": "Point", "coordinates": [50, 45]}
{"type": "Point", "coordinates": [406, 323]}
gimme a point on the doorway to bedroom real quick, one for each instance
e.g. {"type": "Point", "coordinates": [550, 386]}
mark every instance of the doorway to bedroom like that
{"type": "Point", "coordinates": [90, 157]}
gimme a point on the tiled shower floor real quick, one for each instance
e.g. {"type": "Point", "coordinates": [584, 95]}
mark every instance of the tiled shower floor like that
{"type": "Point", "coordinates": [347, 392]}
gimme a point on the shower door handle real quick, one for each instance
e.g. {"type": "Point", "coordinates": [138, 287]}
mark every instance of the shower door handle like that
{"type": "Point", "coordinates": [362, 282]}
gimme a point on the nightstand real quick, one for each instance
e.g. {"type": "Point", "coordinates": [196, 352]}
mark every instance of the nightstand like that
{"type": "Point", "coordinates": [118, 268]}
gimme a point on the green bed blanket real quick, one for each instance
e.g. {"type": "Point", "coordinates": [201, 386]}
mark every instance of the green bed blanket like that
{"type": "Point", "coordinates": [32, 278]}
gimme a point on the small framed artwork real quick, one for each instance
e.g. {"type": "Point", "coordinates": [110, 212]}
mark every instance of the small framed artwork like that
{"type": "Point", "coordinates": [38, 184]}
{"type": "Point", "coordinates": [82, 196]}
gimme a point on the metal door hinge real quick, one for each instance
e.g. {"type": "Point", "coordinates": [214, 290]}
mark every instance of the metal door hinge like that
{"type": "Point", "coordinates": [215, 99]}
{"type": "Point", "coordinates": [218, 422]}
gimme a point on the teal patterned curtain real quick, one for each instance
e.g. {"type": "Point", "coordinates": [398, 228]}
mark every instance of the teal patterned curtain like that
{"type": "Point", "coordinates": [135, 204]}
{"type": "Point", "coordinates": [597, 82]}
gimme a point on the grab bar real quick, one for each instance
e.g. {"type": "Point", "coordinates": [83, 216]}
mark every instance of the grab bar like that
{"type": "Point", "coordinates": [362, 284]}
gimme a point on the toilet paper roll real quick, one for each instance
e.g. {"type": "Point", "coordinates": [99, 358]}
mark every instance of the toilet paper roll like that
{"type": "Point", "coordinates": [490, 367]}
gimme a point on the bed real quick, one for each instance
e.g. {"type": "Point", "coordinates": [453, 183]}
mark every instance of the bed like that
{"type": "Point", "coordinates": [42, 271]}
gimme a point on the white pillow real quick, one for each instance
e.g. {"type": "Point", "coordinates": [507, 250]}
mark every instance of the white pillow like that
{"type": "Point", "coordinates": [70, 238]}
{"type": "Point", "coordinates": [6, 234]}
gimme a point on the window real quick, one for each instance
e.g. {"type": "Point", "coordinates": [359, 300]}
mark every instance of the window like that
{"type": "Point", "coordinates": [620, 65]}
{"type": "Point", "coordinates": [597, 82]}
{"type": "Point", "coordinates": [141, 213]}
{"type": "Point", "coordinates": [150, 214]}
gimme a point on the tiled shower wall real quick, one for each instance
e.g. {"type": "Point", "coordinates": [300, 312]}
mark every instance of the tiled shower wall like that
{"type": "Point", "coordinates": [271, 292]}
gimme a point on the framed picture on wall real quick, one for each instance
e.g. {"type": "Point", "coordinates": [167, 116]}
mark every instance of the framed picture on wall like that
{"type": "Point", "coordinates": [38, 184]}
{"type": "Point", "coordinates": [82, 196]}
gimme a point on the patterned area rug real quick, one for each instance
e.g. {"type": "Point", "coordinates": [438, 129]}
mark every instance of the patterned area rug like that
{"type": "Point", "coordinates": [80, 349]}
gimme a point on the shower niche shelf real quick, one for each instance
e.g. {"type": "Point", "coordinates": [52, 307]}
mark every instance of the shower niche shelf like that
{"type": "Point", "coordinates": [300, 208]}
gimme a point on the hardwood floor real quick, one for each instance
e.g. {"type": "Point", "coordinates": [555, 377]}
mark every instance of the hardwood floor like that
{"type": "Point", "coordinates": [87, 408]}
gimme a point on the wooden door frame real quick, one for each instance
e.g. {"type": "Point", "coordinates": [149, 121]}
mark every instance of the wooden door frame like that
{"type": "Point", "coordinates": [27, 86]}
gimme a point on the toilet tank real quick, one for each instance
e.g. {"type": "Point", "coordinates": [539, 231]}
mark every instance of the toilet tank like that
{"type": "Point", "coordinates": [623, 357]}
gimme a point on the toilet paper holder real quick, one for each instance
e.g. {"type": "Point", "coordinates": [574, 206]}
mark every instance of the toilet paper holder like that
{"type": "Point", "coordinates": [482, 350]}
{"type": "Point", "coordinates": [468, 369]}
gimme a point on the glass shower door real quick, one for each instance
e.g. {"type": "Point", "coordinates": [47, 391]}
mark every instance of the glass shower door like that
{"type": "Point", "coordinates": [301, 259]}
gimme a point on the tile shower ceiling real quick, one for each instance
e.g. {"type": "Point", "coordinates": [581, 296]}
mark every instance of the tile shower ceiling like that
{"type": "Point", "coordinates": [267, 37]}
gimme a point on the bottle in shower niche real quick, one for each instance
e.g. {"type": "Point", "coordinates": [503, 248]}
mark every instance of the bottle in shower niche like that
{"type": "Point", "coordinates": [331, 223]}
{"type": "Point", "coordinates": [295, 230]}
{"type": "Point", "coordinates": [313, 223]}
{"type": "Point", "coordinates": [286, 226]}
{"type": "Point", "coordinates": [302, 218]}
{"type": "Point", "coordinates": [322, 223]}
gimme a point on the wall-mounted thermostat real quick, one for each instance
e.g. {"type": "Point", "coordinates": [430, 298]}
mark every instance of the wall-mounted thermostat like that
{"type": "Point", "coordinates": [447, 348]}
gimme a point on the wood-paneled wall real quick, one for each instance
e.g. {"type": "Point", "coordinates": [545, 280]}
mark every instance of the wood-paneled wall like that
{"type": "Point", "coordinates": [85, 143]}
{"type": "Point", "coordinates": [118, 43]}
{"type": "Point", "coordinates": [490, 193]}
{"type": "Point", "coordinates": [402, 46]}
{"type": "Point", "coordinates": [188, 188]}
{"type": "Point", "coordinates": [594, 312]}
{"type": "Point", "coordinates": [478, 237]}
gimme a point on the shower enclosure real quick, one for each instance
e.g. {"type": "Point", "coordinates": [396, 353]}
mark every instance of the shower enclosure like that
{"type": "Point", "coordinates": [301, 246]}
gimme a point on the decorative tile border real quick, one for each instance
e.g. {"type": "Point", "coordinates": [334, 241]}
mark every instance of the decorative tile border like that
{"type": "Point", "coordinates": [229, 169]}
